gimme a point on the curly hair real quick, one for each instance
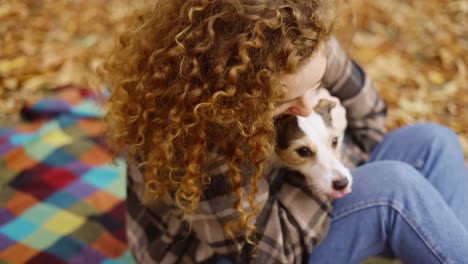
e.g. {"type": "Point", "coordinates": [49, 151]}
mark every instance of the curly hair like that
{"type": "Point", "coordinates": [190, 74]}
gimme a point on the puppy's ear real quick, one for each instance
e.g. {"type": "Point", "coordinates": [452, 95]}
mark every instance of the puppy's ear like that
{"type": "Point", "coordinates": [287, 130]}
{"type": "Point", "coordinates": [323, 108]}
{"type": "Point", "coordinates": [324, 105]}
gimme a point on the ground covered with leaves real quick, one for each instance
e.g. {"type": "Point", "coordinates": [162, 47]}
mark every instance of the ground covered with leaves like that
{"type": "Point", "coordinates": [415, 51]}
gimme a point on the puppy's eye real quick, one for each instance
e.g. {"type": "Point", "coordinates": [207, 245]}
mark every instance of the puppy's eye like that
{"type": "Point", "coordinates": [305, 152]}
{"type": "Point", "coordinates": [334, 142]}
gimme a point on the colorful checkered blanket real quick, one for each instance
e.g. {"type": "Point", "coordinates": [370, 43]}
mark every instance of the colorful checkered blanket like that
{"type": "Point", "coordinates": [61, 196]}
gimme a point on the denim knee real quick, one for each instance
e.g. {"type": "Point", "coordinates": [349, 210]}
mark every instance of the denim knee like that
{"type": "Point", "coordinates": [422, 145]}
{"type": "Point", "coordinates": [443, 150]}
{"type": "Point", "coordinates": [392, 173]}
{"type": "Point", "coordinates": [433, 134]}
{"type": "Point", "coordinates": [382, 182]}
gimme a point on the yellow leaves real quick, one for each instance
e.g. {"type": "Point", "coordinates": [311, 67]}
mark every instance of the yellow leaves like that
{"type": "Point", "coordinates": [415, 107]}
{"type": "Point", "coordinates": [446, 91]}
{"type": "Point", "coordinates": [4, 10]}
{"type": "Point", "coordinates": [436, 77]}
{"type": "Point", "coordinates": [10, 9]}
{"type": "Point", "coordinates": [367, 55]}
{"type": "Point", "coordinates": [400, 117]}
{"type": "Point", "coordinates": [417, 54]}
{"type": "Point", "coordinates": [36, 82]}
{"type": "Point", "coordinates": [461, 75]}
{"type": "Point", "coordinates": [54, 42]}
{"type": "Point", "coordinates": [390, 65]}
{"type": "Point", "coordinates": [464, 143]}
{"type": "Point", "coordinates": [7, 66]}
{"type": "Point", "coordinates": [10, 83]}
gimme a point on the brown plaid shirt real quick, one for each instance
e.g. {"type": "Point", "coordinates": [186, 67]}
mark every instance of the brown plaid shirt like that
{"type": "Point", "coordinates": [293, 219]}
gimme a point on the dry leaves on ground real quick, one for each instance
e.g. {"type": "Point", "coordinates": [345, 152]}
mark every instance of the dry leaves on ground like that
{"type": "Point", "coordinates": [46, 43]}
{"type": "Point", "coordinates": [417, 54]}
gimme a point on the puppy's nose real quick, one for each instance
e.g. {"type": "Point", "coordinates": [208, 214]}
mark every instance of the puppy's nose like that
{"type": "Point", "coordinates": [340, 184]}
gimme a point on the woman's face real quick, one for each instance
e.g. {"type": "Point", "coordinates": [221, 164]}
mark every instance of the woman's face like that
{"type": "Point", "coordinates": [302, 86]}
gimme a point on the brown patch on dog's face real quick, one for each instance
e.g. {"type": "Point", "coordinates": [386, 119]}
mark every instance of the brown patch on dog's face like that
{"type": "Point", "coordinates": [292, 158]}
{"type": "Point", "coordinates": [323, 108]}
{"type": "Point", "coordinates": [287, 131]}
{"type": "Point", "coordinates": [292, 146]}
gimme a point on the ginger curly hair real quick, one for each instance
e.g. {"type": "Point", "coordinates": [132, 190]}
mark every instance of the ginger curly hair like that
{"type": "Point", "coordinates": [190, 74]}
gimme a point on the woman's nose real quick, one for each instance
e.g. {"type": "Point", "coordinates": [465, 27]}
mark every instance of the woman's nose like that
{"type": "Point", "coordinates": [303, 106]}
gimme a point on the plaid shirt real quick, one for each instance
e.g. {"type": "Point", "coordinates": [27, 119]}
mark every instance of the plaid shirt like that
{"type": "Point", "coordinates": [292, 220]}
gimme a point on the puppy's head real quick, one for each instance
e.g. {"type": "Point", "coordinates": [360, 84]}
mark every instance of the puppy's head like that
{"type": "Point", "coordinates": [312, 146]}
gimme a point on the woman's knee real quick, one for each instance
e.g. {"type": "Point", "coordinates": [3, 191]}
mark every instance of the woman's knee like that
{"type": "Point", "coordinates": [389, 180]}
{"type": "Point", "coordinates": [435, 131]}
{"type": "Point", "coordinates": [420, 144]}
{"type": "Point", "coordinates": [431, 134]}
{"type": "Point", "coordinates": [391, 172]}
{"type": "Point", "coordinates": [383, 184]}
{"type": "Point", "coordinates": [384, 181]}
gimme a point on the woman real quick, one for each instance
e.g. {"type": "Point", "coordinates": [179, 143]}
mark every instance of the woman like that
{"type": "Point", "coordinates": [196, 87]}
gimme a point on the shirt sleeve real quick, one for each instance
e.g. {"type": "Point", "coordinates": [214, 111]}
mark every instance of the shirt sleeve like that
{"type": "Point", "coordinates": [365, 109]}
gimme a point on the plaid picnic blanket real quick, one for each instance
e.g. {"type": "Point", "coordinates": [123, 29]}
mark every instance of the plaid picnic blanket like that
{"type": "Point", "coordinates": [61, 196]}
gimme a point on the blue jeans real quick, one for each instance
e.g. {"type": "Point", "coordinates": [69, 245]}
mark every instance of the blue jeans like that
{"type": "Point", "coordinates": [410, 200]}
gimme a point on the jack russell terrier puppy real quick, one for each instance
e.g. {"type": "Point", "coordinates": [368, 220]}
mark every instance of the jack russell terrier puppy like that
{"type": "Point", "coordinates": [312, 146]}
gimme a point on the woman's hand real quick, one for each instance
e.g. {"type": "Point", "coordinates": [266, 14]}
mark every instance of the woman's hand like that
{"type": "Point", "coordinates": [338, 113]}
